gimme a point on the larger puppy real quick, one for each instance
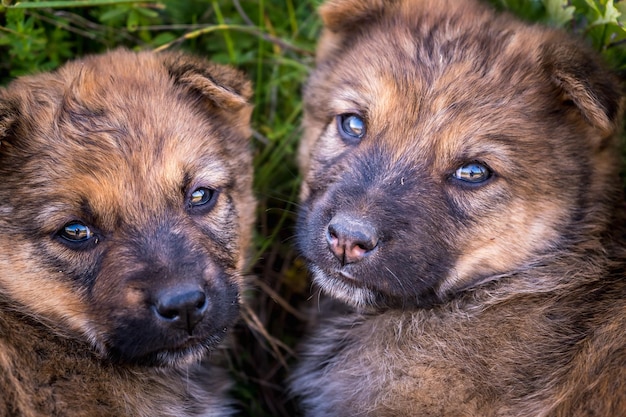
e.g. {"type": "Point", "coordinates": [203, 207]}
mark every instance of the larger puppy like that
{"type": "Point", "coordinates": [461, 193]}
{"type": "Point", "coordinates": [125, 213]}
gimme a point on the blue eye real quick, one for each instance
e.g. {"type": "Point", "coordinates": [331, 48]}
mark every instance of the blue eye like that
{"type": "Point", "coordinates": [351, 128]}
{"type": "Point", "coordinates": [76, 232]}
{"type": "Point", "coordinates": [473, 173]}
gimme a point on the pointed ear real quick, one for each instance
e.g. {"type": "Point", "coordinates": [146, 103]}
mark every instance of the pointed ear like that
{"type": "Point", "coordinates": [221, 86]}
{"type": "Point", "coordinates": [585, 82]}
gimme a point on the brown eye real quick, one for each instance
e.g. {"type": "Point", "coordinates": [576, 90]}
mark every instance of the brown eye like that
{"type": "Point", "coordinates": [202, 199]}
{"type": "Point", "coordinates": [351, 128]}
{"type": "Point", "coordinates": [473, 173]}
{"type": "Point", "coordinates": [77, 236]}
{"type": "Point", "coordinates": [76, 232]}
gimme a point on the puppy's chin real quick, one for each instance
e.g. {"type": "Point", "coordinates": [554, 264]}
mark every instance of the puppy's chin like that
{"type": "Point", "coordinates": [182, 357]}
{"type": "Point", "coordinates": [169, 358]}
{"type": "Point", "coordinates": [342, 289]}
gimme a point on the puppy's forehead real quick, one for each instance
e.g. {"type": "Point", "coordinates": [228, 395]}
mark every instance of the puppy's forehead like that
{"type": "Point", "coordinates": [117, 186]}
{"type": "Point", "coordinates": [136, 111]}
{"type": "Point", "coordinates": [148, 139]}
{"type": "Point", "coordinates": [433, 81]}
{"type": "Point", "coordinates": [128, 138]}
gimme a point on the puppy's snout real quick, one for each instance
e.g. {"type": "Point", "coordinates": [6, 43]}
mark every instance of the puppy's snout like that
{"type": "Point", "coordinates": [181, 307]}
{"type": "Point", "coordinates": [350, 239]}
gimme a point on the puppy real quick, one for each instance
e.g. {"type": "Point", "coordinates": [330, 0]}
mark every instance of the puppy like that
{"type": "Point", "coordinates": [461, 194]}
{"type": "Point", "coordinates": [125, 214]}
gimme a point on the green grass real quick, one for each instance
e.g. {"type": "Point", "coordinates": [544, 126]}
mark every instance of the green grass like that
{"type": "Point", "coordinates": [273, 41]}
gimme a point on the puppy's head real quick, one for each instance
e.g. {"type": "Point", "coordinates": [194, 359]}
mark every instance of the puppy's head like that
{"type": "Point", "coordinates": [126, 202]}
{"type": "Point", "coordinates": [445, 146]}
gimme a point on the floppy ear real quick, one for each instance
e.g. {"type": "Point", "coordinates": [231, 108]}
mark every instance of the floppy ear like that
{"type": "Point", "coordinates": [224, 90]}
{"type": "Point", "coordinates": [583, 80]}
{"type": "Point", "coordinates": [341, 15]}
{"type": "Point", "coordinates": [222, 86]}
{"type": "Point", "coordinates": [8, 116]}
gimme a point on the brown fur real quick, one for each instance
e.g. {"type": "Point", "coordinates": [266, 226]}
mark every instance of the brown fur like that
{"type": "Point", "coordinates": [119, 321]}
{"type": "Point", "coordinates": [505, 296]}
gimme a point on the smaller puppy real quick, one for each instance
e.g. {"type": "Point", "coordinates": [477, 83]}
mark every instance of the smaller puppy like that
{"type": "Point", "coordinates": [126, 209]}
{"type": "Point", "coordinates": [461, 193]}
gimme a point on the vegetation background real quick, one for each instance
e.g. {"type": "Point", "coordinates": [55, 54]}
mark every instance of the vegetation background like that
{"type": "Point", "coordinates": [274, 42]}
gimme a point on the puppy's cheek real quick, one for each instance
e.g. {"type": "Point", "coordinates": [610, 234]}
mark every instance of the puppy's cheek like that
{"type": "Point", "coordinates": [506, 243]}
{"type": "Point", "coordinates": [47, 292]}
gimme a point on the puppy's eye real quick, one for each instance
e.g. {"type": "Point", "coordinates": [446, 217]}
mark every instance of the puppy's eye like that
{"type": "Point", "coordinates": [202, 198]}
{"type": "Point", "coordinates": [351, 128]}
{"type": "Point", "coordinates": [473, 173]}
{"type": "Point", "coordinates": [76, 232]}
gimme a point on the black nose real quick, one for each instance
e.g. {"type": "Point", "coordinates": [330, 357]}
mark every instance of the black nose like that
{"type": "Point", "coordinates": [181, 307]}
{"type": "Point", "coordinates": [350, 239]}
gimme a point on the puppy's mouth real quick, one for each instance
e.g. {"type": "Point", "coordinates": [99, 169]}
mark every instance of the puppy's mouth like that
{"type": "Point", "coordinates": [343, 285]}
{"type": "Point", "coordinates": [193, 350]}
{"type": "Point", "coordinates": [346, 277]}
{"type": "Point", "coordinates": [172, 353]}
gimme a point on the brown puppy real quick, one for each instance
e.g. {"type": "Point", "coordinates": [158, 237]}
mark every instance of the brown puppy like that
{"type": "Point", "coordinates": [125, 212]}
{"type": "Point", "coordinates": [461, 193]}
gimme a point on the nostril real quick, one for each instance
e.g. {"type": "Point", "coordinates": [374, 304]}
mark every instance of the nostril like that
{"type": "Point", "coordinates": [201, 303]}
{"type": "Point", "coordinates": [365, 241]}
{"type": "Point", "coordinates": [331, 234]}
{"type": "Point", "coordinates": [169, 314]}
{"type": "Point", "coordinates": [363, 247]}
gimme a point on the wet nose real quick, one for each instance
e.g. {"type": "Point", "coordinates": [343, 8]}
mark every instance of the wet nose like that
{"type": "Point", "coordinates": [350, 239]}
{"type": "Point", "coordinates": [181, 307]}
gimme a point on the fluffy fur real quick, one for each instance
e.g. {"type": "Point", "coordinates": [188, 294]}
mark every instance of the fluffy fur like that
{"type": "Point", "coordinates": [126, 210]}
{"type": "Point", "coordinates": [461, 195]}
